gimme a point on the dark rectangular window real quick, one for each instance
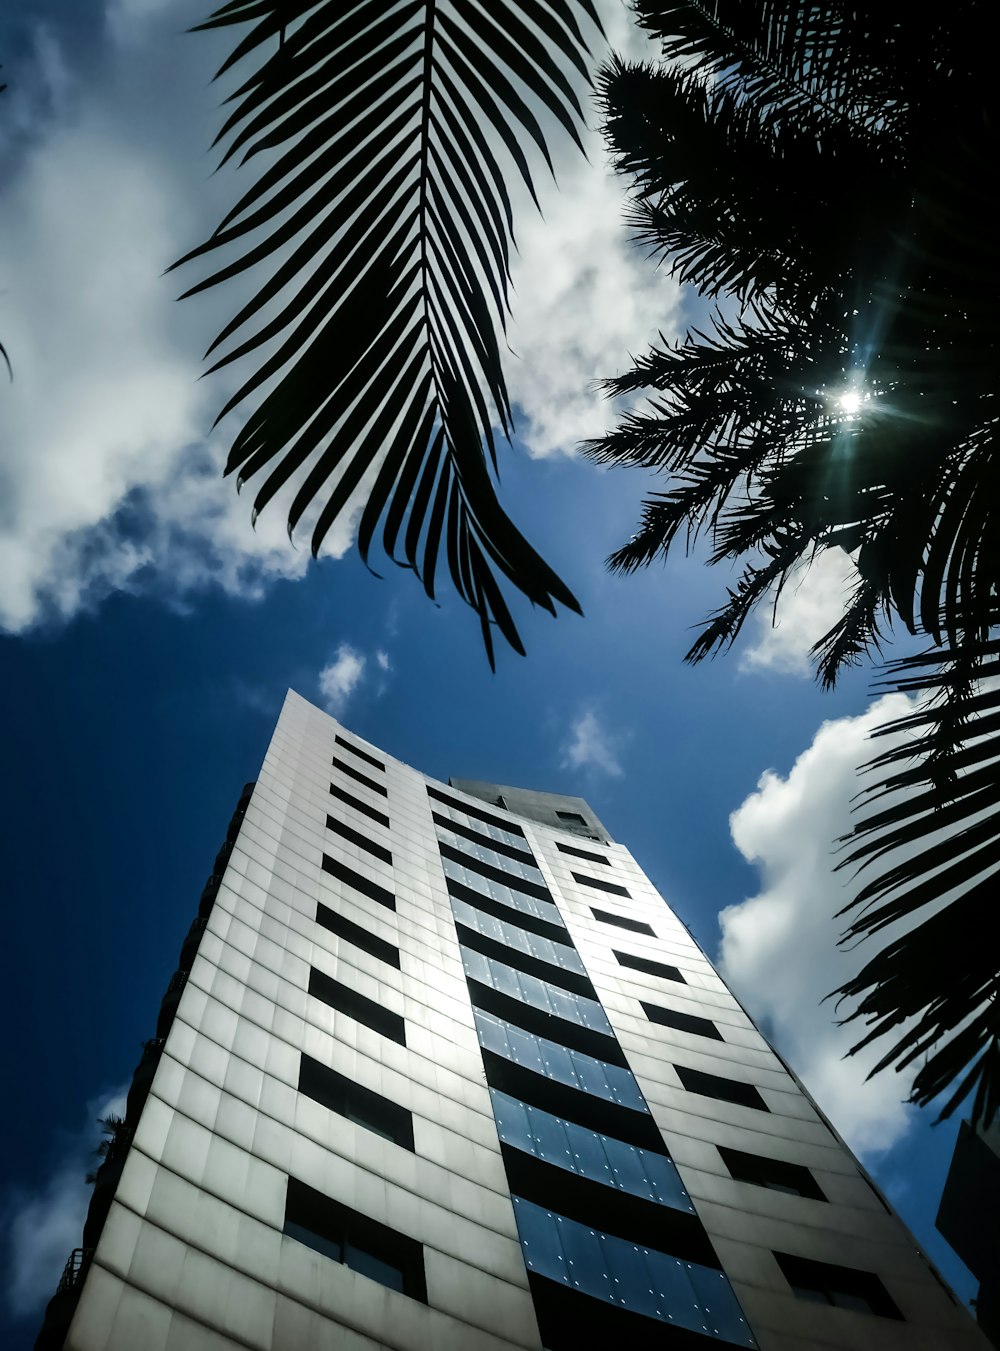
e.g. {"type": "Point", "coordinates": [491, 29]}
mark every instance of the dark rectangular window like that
{"type": "Point", "coordinates": [636, 926]}
{"type": "Point", "coordinates": [726, 1090]}
{"type": "Point", "coordinates": [775, 1174]}
{"type": "Point", "coordinates": [358, 777]}
{"type": "Point", "coordinates": [599, 1045]}
{"type": "Point", "coordinates": [359, 1242]}
{"type": "Point", "coordinates": [523, 961]}
{"type": "Point", "coordinates": [362, 755]}
{"type": "Point", "coordinates": [650, 968]}
{"type": "Point", "coordinates": [582, 853]}
{"type": "Point", "coordinates": [359, 882]}
{"type": "Point", "coordinates": [484, 841]}
{"type": "Point", "coordinates": [573, 819]}
{"type": "Point", "coordinates": [360, 1105]}
{"type": "Point", "coordinates": [360, 937]}
{"type": "Point", "coordinates": [495, 874]}
{"type": "Point", "coordinates": [557, 932]}
{"type": "Point", "coordinates": [600, 884]}
{"type": "Point", "coordinates": [509, 826]}
{"type": "Point", "coordinates": [356, 838]}
{"type": "Point", "coordinates": [843, 1287]}
{"type": "Point", "coordinates": [360, 806]}
{"type": "Point", "coordinates": [683, 1022]}
{"type": "Point", "coordinates": [357, 1006]}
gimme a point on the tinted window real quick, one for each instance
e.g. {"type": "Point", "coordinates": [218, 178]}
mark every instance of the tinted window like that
{"type": "Point", "coordinates": [683, 1022]}
{"type": "Point", "coordinates": [358, 936]}
{"type": "Point", "coordinates": [359, 882]}
{"type": "Point", "coordinates": [359, 806]}
{"type": "Point", "coordinates": [361, 1105]}
{"type": "Point", "coordinates": [466, 809]}
{"type": "Point", "coordinates": [362, 755]}
{"type": "Point", "coordinates": [582, 853]}
{"type": "Point", "coordinates": [636, 926]}
{"type": "Point", "coordinates": [843, 1287]}
{"type": "Point", "coordinates": [358, 777]}
{"type": "Point", "coordinates": [360, 841]}
{"type": "Point", "coordinates": [649, 967]}
{"type": "Point", "coordinates": [601, 884]}
{"type": "Point", "coordinates": [726, 1090]}
{"type": "Point", "coordinates": [357, 1006]}
{"type": "Point", "coordinates": [773, 1173]}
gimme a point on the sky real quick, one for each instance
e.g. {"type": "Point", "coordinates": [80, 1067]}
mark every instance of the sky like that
{"type": "Point", "coordinates": [148, 633]}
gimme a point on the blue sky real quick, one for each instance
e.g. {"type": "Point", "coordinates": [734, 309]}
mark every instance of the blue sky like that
{"type": "Point", "coordinates": [149, 634]}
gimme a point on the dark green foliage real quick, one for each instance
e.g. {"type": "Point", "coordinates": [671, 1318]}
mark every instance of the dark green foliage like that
{"type": "Point", "coordinates": [383, 217]}
{"type": "Point", "coordinates": [825, 171]}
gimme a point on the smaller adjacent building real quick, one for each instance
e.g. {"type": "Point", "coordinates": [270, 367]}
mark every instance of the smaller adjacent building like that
{"type": "Point", "coordinates": [969, 1216]}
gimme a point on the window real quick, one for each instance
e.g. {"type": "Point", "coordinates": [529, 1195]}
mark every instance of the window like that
{"type": "Point", "coordinates": [358, 777]}
{"type": "Point", "coordinates": [357, 1006]}
{"type": "Point", "coordinates": [354, 933]}
{"type": "Point", "coordinates": [528, 952]}
{"type": "Point", "coordinates": [582, 853]}
{"type": "Point", "coordinates": [359, 882]}
{"type": "Point", "coordinates": [359, 1242]}
{"type": "Point", "coordinates": [726, 1090]}
{"type": "Point", "coordinates": [636, 926]}
{"type": "Point", "coordinates": [843, 1287]}
{"type": "Point", "coordinates": [775, 1174]}
{"type": "Point", "coordinates": [650, 968]}
{"type": "Point", "coordinates": [356, 750]}
{"type": "Point", "coordinates": [645, 1280]}
{"type": "Point", "coordinates": [600, 884]}
{"type": "Point", "coordinates": [573, 819]}
{"type": "Point", "coordinates": [360, 1105]}
{"type": "Point", "coordinates": [508, 827]}
{"type": "Point", "coordinates": [355, 837]}
{"type": "Point", "coordinates": [683, 1022]}
{"type": "Point", "coordinates": [506, 878]}
{"type": "Point", "coordinates": [523, 855]}
{"type": "Point", "coordinates": [514, 909]}
{"type": "Point", "coordinates": [553, 999]}
{"type": "Point", "coordinates": [360, 806]}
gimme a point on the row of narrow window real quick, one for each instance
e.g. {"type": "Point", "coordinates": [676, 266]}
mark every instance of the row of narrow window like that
{"type": "Point", "coordinates": [374, 1249]}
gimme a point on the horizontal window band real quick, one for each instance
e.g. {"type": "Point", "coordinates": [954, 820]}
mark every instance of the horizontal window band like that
{"type": "Point", "coordinates": [581, 853]}
{"type": "Point", "coordinates": [681, 1022]}
{"type": "Point", "coordinates": [724, 1090]}
{"type": "Point", "coordinates": [358, 777]}
{"type": "Point", "coordinates": [523, 961]}
{"type": "Point", "coordinates": [562, 1311]}
{"type": "Point", "coordinates": [558, 933]}
{"type": "Point", "coordinates": [536, 889]}
{"type": "Point", "coordinates": [511, 827]}
{"type": "Point", "coordinates": [361, 1105]}
{"type": "Point", "coordinates": [359, 806]}
{"type": "Point", "coordinates": [775, 1174]}
{"type": "Point", "coordinates": [356, 750]}
{"type": "Point", "coordinates": [836, 1285]}
{"type": "Point", "coordinates": [484, 841]}
{"type": "Point", "coordinates": [649, 967]}
{"type": "Point", "coordinates": [573, 1104]}
{"type": "Point", "coordinates": [357, 1006]}
{"type": "Point", "coordinates": [677, 1232]}
{"type": "Point", "coordinates": [600, 884]}
{"type": "Point", "coordinates": [359, 882]}
{"type": "Point", "coordinates": [542, 1024]}
{"type": "Point", "coordinates": [365, 1245]}
{"type": "Point", "coordinates": [357, 935]}
{"type": "Point", "coordinates": [360, 841]}
{"type": "Point", "coordinates": [636, 926]}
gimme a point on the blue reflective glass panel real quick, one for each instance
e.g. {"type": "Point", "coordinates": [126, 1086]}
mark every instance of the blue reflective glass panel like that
{"type": "Point", "coordinates": [523, 940]}
{"type": "Point", "coordinates": [516, 900]}
{"type": "Point", "coordinates": [502, 861]}
{"type": "Point", "coordinates": [483, 827]}
{"type": "Point", "coordinates": [648, 1282]}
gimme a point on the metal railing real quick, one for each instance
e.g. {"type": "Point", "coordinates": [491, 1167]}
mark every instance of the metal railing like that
{"type": "Point", "coordinates": [74, 1270]}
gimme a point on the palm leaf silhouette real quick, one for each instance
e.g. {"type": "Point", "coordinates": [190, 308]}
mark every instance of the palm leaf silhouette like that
{"type": "Point", "coordinates": [385, 130]}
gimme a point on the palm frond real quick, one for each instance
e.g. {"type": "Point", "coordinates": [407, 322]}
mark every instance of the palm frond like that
{"type": "Point", "coordinates": [383, 216]}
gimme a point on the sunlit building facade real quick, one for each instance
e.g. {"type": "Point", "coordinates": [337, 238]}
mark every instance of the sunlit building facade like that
{"type": "Point", "coordinates": [441, 1071]}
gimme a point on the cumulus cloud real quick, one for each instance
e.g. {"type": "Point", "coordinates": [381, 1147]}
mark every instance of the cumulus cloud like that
{"type": "Point", "coordinates": [45, 1225]}
{"type": "Point", "coordinates": [778, 948]}
{"type": "Point", "coordinates": [339, 680]}
{"type": "Point", "coordinates": [590, 746]}
{"type": "Point", "coordinates": [584, 296]}
{"type": "Point", "coordinates": [810, 604]}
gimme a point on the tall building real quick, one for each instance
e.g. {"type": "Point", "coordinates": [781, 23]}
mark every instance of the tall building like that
{"type": "Point", "coordinates": [441, 1071]}
{"type": "Point", "coordinates": [969, 1215]}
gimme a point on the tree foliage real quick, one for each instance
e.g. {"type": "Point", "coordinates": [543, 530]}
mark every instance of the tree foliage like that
{"type": "Point", "coordinates": [383, 222]}
{"type": "Point", "coordinates": [823, 172]}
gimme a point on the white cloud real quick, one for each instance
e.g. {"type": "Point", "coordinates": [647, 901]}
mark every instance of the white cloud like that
{"type": "Point", "coordinates": [339, 680]}
{"type": "Point", "coordinates": [584, 296]}
{"type": "Point", "coordinates": [590, 746]}
{"type": "Point", "coordinates": [779, 948]}
{"type": "Point", "coordinates": [382, 658]}
{"type": "Point", "coordinates": [45, 1225]}
{"type": "Point", "coordinates": [810, 604]}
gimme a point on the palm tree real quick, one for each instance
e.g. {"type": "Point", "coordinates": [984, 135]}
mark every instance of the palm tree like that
{"type": "Point", "coordinates": [823, 172]}
{"type": "Point", "coordinates": [387, 130]}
